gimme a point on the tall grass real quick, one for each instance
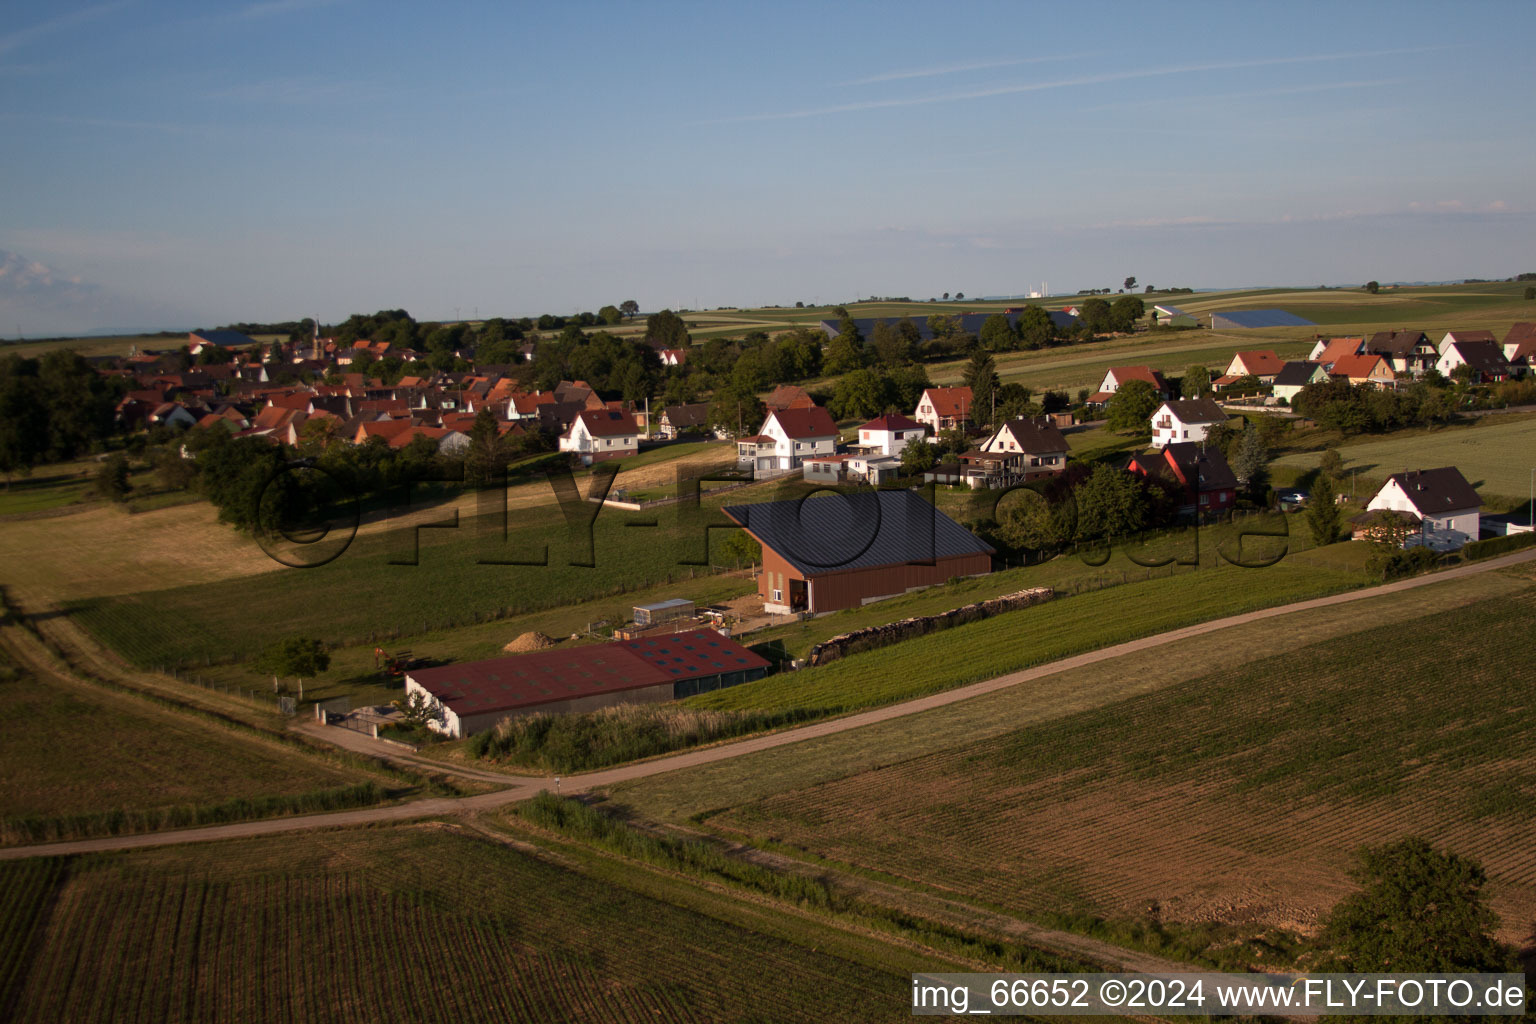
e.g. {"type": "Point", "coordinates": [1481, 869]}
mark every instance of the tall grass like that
{"type": "Point", "coordinates": [594, 739]}
{"type": "Point", "coordinates": [37, 829]}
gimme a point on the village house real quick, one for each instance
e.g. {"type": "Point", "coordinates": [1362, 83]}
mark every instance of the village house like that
{"type": "Point", "coordinates": [942, 408]}
{"type": "Point", "coordinates": [1118, 376]}
{"type": "Point", "coordinates": [1188, 419]}
{"type": "Point", "coordinates": [1445, 504]}
{"type": "Point", "coordinates": [1294, 376]}
{"type": "Point", "coordinates": [1260, 363]}
{"type": "Point", "coordinates": [1364, 370]}
{"type": "Point", "coordinates": [788, 437]}
{"type": "Point", "coordinates": [1197, 472]}
{"type": "Point", "coordinates": [675, 419]}
{"type": "Point", "coordinates": [597, 435]}
{"type": "Point", "coordinates": [789, 396]}
{"type": "Point", "coordinates": [1482, 356]}
{"type": "Point", "coordinates": [1326, 350]}
{"type": "Point", "coordinates": [888, 434]}
{"type": "Point", "coordinates": [1410, 353]}
{"type": "Point", "coordinates": [1520, 347]}
{"type": "Point", "coordinates": [1039, 448]}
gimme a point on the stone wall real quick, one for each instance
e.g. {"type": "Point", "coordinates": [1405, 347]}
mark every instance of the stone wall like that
{"type": "Point", "coordinates": [893, 632]}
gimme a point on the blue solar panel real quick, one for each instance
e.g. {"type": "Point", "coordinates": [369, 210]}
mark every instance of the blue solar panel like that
{"type": "Point", "coordinates": [1258, 318]}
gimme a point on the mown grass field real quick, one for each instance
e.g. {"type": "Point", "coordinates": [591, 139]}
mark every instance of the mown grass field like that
{"type": "Point", "coordinates": [1030, 636]}
{"type": "Point", "coordinates": [1237, 794]}
{"type": "Point", "coordinates": [73, 751]}
{"type": "Point", "coordinates": [368, 593]}
{"type": "Point", "coordinates": [1496, 454]}
{"type": "Point", "coordinates": [423, 923]}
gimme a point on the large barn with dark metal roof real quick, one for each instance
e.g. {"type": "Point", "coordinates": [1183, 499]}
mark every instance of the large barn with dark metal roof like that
{"type": "Point", "coordinates": [475, 695]}
{"type": "Point", "coordinates": [822, 553]}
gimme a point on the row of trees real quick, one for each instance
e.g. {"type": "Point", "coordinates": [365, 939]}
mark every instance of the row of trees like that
{"type": "Point", "coordinates": [52, 409]}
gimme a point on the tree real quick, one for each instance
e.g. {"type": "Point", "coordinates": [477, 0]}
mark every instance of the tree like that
{"type": "Point", "coordinates": [1331, 464]}
{"type": "Point", "coordinates": [740, 548]}
{"type": "Point", "coordinates": [1323, 516]}
{"type": "Point", "coordinates": [997, 334]}
{"type": "Point", "coordinates": [917, 457]}
{"type": "Point", "coordinates": [1373, 287]}
{"type": "Point", "coordinates": [610, 315]}
{"type": "Point", "coordinates": [861, 394]}
{"type": "Point", "coordinates": [845, 354]}
{"type": "Point", "coordinates": [1125, 312]}
{"type": "Point", "coordinates": [1197, 381]}
{"type": "Point", "coordinates": [959, 296]}
{"type": "Point", "coordinates": [303, 657]}
{"type": "Point", "coordinates": [1111, 503]}
{"type": "Point", "coordinates": [893, 346]}
{"type": "Point", "coordinates": [1028, 521]}
{"type": "Point", "coordinates": [1418, 910]}
{"type": "Point", "coordinates": [629, 307]}
{"type": "Point", "coordinates": [1252, 458]}
{"type": "Point", "coordinates": [1130, 283]}
{"type": "Point", "coordinates": [667, 330]}
{"type": "Point", "coordinates": [112, 479]}
{"type": "Point", "coordinates": [1132, 406]}
{"type": "Point", "coordinates": [1095, 315]}
{"type": "Point", "coordinates": [419, 711]}
{"type": "Point", "coordinates": [486, 455]}
{"type": "Point", "coordinates": [1036, 328]}
{"type": "Point", "coordinates": [1530, 293]}
{"type": "Point", "coordinates": [981, 377]}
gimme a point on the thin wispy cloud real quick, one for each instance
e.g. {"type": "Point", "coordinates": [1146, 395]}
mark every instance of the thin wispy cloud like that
{"type": "Point", "coordinates": [271, 8]}
{"type": "Point", "coordinates": [21, 37]}
{"type": "Point", "coordinates": [1102, 78]}
{"type": "Point", "coordinates": [954, 69]}
{"type": "Point", "coordinates": [1289, 90]}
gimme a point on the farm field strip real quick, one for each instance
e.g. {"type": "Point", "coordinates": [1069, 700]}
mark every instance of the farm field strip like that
{"type": "Point", "coordinates": [1184, 796]}
{"type": "Point", "coordinates": [421, 923]}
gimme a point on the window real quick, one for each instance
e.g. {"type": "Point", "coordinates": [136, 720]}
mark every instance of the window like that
{"type": "Point", "coordinates": [778, 596]}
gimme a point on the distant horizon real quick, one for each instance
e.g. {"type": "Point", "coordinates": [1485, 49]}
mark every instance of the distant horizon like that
{"type": "Point", "coordinates": [147, 332]}
{"type": "Point", "coordinates": [513, 157]}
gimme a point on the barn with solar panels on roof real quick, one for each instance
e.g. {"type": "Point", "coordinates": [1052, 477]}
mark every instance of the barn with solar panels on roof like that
{"type": "Point", "coordinates": [475, 695]}
{"type": "Point", "coordinates": [823, 553]}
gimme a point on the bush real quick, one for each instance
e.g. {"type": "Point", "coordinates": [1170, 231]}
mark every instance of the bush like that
{"type": "Point", "coordinates": [594, 739]}
{"type": "Point", "coordinates": [1403, 562]}
{"type": "Point", "coordinates": [1497, 546]}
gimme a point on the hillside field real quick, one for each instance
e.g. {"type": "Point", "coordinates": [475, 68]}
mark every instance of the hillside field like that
{"type": "Point", "coordinates": [427, 923]}
{"type": "Point", "coordinates": [1237, 795]}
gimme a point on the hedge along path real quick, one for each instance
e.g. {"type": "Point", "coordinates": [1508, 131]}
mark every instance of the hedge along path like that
{"type": "Point", "coordinates": [524, 787]}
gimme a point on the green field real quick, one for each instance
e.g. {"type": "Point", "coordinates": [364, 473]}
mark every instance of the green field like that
{"type": "Point", "coordinates": [429, 924]}
{"type": "Point", "coordinates": [1240, 791]}
{"type": "Point", "coordinates": [1496, 454]}
{"type": "Point", "coordinates": [1030, 636]}
{"type": "Point", "coordinates": [75, 756]}
{"type": "Point", "coordinates": [369, 594]}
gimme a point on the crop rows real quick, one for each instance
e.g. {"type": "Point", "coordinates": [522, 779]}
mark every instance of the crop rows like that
{"type": "Point", "coordinates": [405, 924]}
{"type": "Point", "coordinates": [1232, 795]}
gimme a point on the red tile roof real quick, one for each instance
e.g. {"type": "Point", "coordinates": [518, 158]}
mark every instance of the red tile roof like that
{"type": "Point", "coordinates": [1356, 367]}
{"type": "Point", "coordinates": [891, 421]}
{"type": "Point", "coordinates": [568, 673]}
{"type": "Point", "coordinates": [1146, 373]}
{"type": "Point", "coordinates": [800, 423]}
{"type": "Point", "coordinates": [608, 423]}
{"type": "Point", "coordinates": [789, 396]}
{"type": "Point", "coordinates": [950, 401]}
{"type": "Point", "coordinates": [1261, 362]}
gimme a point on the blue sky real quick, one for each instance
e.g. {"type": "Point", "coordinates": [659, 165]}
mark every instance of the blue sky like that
{"type": "Point", "coordinates": [189, 164]}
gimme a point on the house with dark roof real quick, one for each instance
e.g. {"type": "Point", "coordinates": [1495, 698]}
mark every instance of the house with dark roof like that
{"type": "Point", "coordinates": [1198, 473]}
{"type": "Point", "coordinates": [1038, 448]}
{"type": "Point", "coordinates": [1520, 346]}
{"type": "Point", "coordinates": [475, 695]}
{"type": "Point", "coordinates": [1188, 419]}
{"type": "Point", "coordinates": [824, 553]}
{"type": "Point", "coordinates": [693, 416]}
{"type": "Point", "coordinates": [1294, 376]}
{"type": "Point", "coordinates": [1446, 505]}
{"type": "Point", "coordinates": [1409, 352]}
{"type": "Point", "coordinates": [1483, 357]}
